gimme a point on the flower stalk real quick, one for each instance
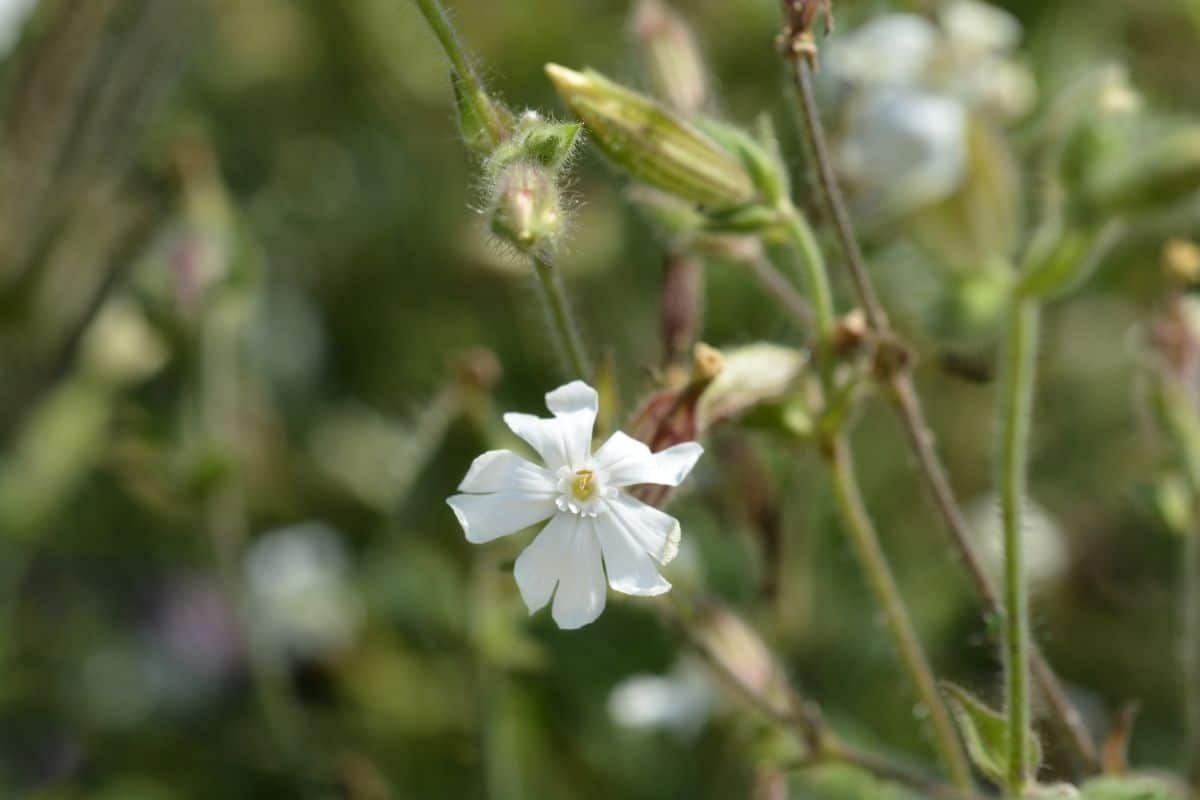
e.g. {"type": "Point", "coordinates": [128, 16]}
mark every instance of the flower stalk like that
{"type": "Point", "coordinates": [473, 92]}
{"type": "Point", "coordinates": [526, 211]}
{"type": "Point", "coordinates": [1016, 408]}
{"type": "Point", "coordinates": [865, 540]}
{"type": "Point", "coordinates": [566, 335]}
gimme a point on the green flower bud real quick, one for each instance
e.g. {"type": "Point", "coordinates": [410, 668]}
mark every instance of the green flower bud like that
{"type": "Point", "coordinates": [670, 56]}
{"type": "Point", "coordinates": [527, 210]}
{"type": "Point", "coordinates": [651, 143]}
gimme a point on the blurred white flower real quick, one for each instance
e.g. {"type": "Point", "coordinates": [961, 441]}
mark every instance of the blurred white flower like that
{"type": "Point", "coordinates": [977, 28]}
{"type": "Point", "coordinates": [680, 701]}
{"type": "Point", "coordinates": [300, 591]}
{"type": "Point", "coordinates": [13, 14]}
{"type": "Point", "coordinates": [905, 148]}
{"type": "Point", "coordinates": [909, 87]}
{"type": "Point", "coordinates": [592, 521]}
{"type": "Point", "coordinates": [890, 49]}
{"type": "Point", "coordinates": [1046, 555]}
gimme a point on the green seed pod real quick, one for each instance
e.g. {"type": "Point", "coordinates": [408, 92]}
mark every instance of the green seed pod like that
{"type": "Point", "coordinates": [527, 210]}
{"type": "Point", "coordinates": [651, 143]}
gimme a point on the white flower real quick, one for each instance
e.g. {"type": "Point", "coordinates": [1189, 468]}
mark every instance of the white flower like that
{"type": "Point", "coordinates": [592, 518]}
{"type": "Point", "coordinates": [680, 701]}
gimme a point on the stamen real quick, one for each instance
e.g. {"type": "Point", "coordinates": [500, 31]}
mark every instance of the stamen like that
{"type": "Point", "coordinates": [583, 487]}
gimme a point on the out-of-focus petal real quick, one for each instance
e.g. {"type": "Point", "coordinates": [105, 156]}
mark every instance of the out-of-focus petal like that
{"type": "Point", "coordinates": [505, 471]}
{"type": "Point", "coordinates": [656, 532]}
{"type": "Point", "coordinates": [485, 517]}
{"type": "Point", "coordinates": [630, 568]}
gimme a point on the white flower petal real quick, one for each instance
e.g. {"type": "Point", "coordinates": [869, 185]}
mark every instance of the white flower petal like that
{"type": "Point", "coordinates": [504, 470]}
{"type": "Point", "coordinates": [485, 517]}
{"type": "Point", "coordinates": [541, 563]}
{"type": "Point", "coordinates": [581, 587]}
{"type": "Point", "coordinates": [630, 568]}
{"type": "Point", "coordinates": [657, 533]}
{"type": "Point", "coordinates": [626, 461]}
{"type": "Point", "coordinates": [575, 396]}
{"type": "Point", "coordinates": [565, 440]}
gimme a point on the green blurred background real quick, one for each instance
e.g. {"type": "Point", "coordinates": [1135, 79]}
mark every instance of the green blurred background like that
{"type": "Point", "coordinates": [252, 332]}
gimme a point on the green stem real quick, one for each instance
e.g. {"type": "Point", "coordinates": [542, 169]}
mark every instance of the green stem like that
{"type": "Point", "coordinates": [1179, 406]}
{"type": "Point", "coordinates": [816, 278]}
{"type": "Point", "coordinates": [907, 405]}
{"type": "Point", "coordinates": [472, 87]}
{"type": "Point", "coordinates": [1016, 410]}
{"type": "Point", "coordinates": [879, 574]}
{"type": "Point", "coordinates": [858, 522]}
{"type": "Point", "coordinates": [1191, 646]}
{"type": "Point", "coordinates": [559, 314]}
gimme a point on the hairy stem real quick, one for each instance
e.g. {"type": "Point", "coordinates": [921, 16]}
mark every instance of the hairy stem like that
{"type": "Point", "coordinates": [907, 405]}
{"type": "Point", "coordinates": [866, 542]}
{"type": "Point", "coordinates": [472, 87]}
{"type": "Point", "coordinates": [1016, 409]}
{"type": "Point", "coordinates": [558, 312]}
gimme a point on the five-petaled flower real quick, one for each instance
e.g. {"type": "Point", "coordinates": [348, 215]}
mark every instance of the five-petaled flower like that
{"type": "Point", "coordinates": [593, 518]}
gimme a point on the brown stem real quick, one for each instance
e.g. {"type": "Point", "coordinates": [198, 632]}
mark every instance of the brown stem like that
{"type": "Point", "coordinates": [907, 404]}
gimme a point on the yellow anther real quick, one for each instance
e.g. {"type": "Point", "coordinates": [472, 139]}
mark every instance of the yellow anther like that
{"type": "Point", "coordinates": [583, 487]}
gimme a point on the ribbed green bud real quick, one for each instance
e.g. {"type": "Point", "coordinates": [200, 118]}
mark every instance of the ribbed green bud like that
{"type": "Point", "coordinates": [670, 57]}
{"type": "Point", "coordinates": [527, 210]}
{"type": "Point", "coordinates": [651, 143]}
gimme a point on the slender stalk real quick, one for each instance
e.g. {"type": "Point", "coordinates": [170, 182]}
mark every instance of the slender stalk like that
{"type": "Point", "coordinates": [805, 723]}
{"type": "Point", "coordinates": [1191, 647]}
{"type": "Point", "coordinates": [558, 312]}
{"type": "Point", "coordinates": [1016, 408]}
{"type": "Point", "coordinates": [858, 522]}
{"type": "Point", "coordinates": [1181, 406]}
{"type": "Point", "coordinates": [816, 278]}
{"type": "Point", "coordinates": [866, 542]}
{"type": "Point", "coordinates": [905, 401]}
{"type": "Point", "coordinates": [775, 284]}
{"type": "Point", "coordinates": [472, 87]}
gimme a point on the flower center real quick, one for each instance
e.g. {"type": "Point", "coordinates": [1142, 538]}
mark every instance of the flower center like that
{"type": "Point", "coordinates": [583, 491]}
{"type": "Point", "coordinates": [583, 485]}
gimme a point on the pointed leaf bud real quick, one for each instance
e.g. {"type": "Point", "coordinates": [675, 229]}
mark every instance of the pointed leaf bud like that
{"type": "Point", "coordinates": [985, 733]}
{"type": "Point", "coordinates": [651, 143]}
{"type": "Point", "coordinates": [670, 57]}
{"type": "Point", "coordinates": [527, 209]}
{"type": "Point", "coordinates": [474, 129]}
{"type": "Point", "coordinates": [549, 144]}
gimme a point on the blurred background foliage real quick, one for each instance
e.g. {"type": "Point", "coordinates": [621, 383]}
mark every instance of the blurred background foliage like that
{"type": "Point", "coordinates": [251, 335]}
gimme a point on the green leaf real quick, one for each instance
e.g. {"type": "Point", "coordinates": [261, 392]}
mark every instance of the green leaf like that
{"type": "Point", "coordinates": [986, 734]}
{"type": "Point", "coordinates": [1132, 787]}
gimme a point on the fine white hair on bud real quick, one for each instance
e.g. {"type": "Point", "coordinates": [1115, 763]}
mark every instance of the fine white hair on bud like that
{"type": "Point", "coordinates": [526, 207]}
{"type": "Point", "coordinates": [523, 180]}
{"type": "Point", "coordinates": [595, 525]}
